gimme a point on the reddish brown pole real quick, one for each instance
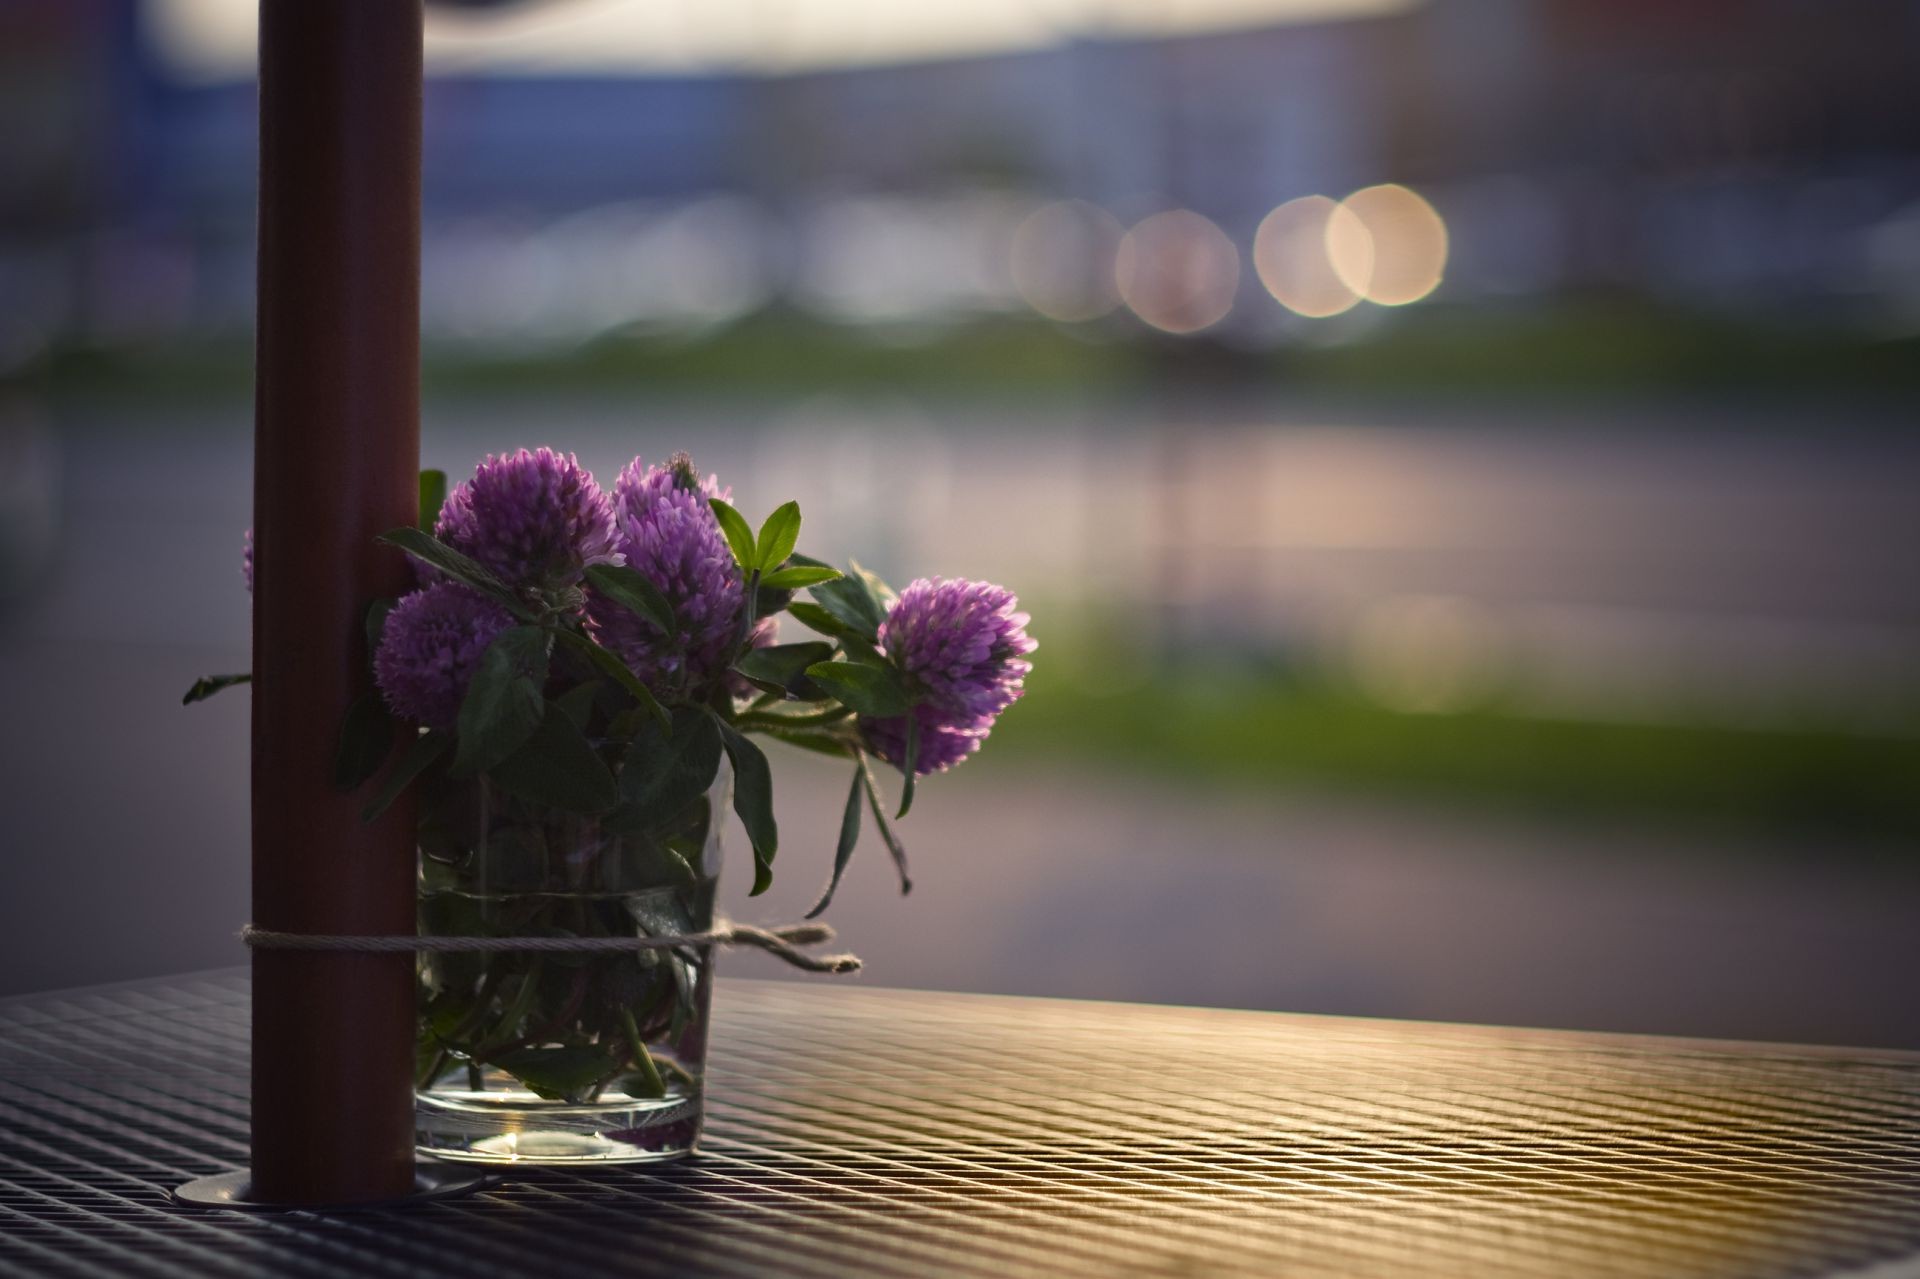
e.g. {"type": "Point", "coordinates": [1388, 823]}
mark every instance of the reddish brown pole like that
{"type": "Point", "coordinates": [336, 456]}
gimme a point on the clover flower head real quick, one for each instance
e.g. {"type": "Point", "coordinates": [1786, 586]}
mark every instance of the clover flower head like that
{"type": "Point", "coordinates": [431, 647]}
{"type": "Point", "coordinates": [963, 642]}
{"type": "Point", "coordinates": [668, 534]}
{"type": "Point", "coordinates": [964, 645]}
{"type": "Point", "coordinates": [535, 519]}
{"type": "Point", "coordinates": [942, 745]}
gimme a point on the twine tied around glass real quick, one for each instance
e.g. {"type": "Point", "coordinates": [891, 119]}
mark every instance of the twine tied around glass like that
{"type": "Point", "coordinates": [782, 941]}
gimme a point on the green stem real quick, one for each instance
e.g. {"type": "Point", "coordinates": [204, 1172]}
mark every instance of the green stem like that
{"type": "Point", "coordinates": [505, 1031]}
{"type": "Point", "coordinates": [432, 1072]}
{"type": "Point", "coordinates": [656, 1086]}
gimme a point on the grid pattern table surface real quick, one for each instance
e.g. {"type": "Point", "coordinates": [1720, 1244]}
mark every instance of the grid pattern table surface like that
{"type": "Point", "coordinates": [858, 1131]}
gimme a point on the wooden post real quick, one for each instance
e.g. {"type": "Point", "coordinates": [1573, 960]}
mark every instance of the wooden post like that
{"type": "Point", "coordinates": [336, 457]}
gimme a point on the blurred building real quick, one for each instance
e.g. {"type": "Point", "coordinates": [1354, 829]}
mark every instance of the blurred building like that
{"type": "Point", "coordinates": [1723, 151]}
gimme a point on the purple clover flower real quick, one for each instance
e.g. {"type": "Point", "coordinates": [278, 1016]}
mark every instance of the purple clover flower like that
{"type": "Point", "coordinates": [941, 745]}
{"type": "Point", "coordinates": [430, 648]}
{"type": "Point", "coordinates": [534, 519]}
{"type": "Point", "coordinates": [669, 535]}
{"type": "Point", "coordinates": [964, 644]}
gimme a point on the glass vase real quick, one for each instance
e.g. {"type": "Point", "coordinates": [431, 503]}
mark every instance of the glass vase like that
{"type": "Point", "coordinates": [562, 1057]}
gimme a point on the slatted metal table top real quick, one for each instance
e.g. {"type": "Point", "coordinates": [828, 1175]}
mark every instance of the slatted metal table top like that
{"type": "Point", "coordinates": [860, 1131]}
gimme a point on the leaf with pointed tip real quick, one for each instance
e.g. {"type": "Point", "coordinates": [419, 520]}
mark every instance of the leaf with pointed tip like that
{"type": "Point", "coordinates": [850, 598]}
{"type": "Point", "coordinates": [377, 624]}
{"type": "Point", "coordinates": [566, 1073]}
{"type": "Point", "coordinates": [207, 685]}
{"type": "Point", "coordinates": [782, 668]}
{"type": "Point", "coordinates": [816, 618]}
{"type": "Point", "coordinates": [753, 801]}
{"type": "Point", "coordinates": [578, 702]}
{"type": "Point", "coordinates": [503, 705]}
{"type": "Point", "coordinates": [876, 691]}
{"type": "Point", "coordinates": [843, 853]}
{"type": "Point", "coordinates": [909, 766]}
{"type": "Point", "coordinates": [860, 650]}
{"type": "Point", "coordinates": [663, 771]}
{"type": "Point", "coordinates": [433, 495]}
{"type": "Point", "coordinates": [461, 568]}
{"type": "Point", "coordinates": [426, 748]}
{"type": "Point", "coordinates": [764, 685]}
{"type": "Point", "coordinates": [558, 767]}
{"type": "Point", "coordinates": [366, 739]}
{"type": "Point", "coordinates": [894, 846]}
{"type": "Point", "coordinates": [792, 579]}
{"type": "Point", "coordinates": [633, 592]}
{"type": "Point", "coordinates": [768, 600]}
{"type": "Point", "coordinates": [883, 595]}
{"type": "Point", "coordinates": [739, 535]}
{"type": "Point", "coordinates": [811, 740]}
{"type": "Point", "coordinates": [777, 537]}
{"type": "Point", "coordinates": [610, 665]}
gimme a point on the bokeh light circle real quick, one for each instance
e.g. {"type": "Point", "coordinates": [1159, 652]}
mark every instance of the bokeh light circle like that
{"type": "Point", "coordinates": [1294, 251]}
{"type": "Point", "coordinates": [1063, 260]}
{"type": "Point", "coordinates": [1406, 245]}
{"type": "Point", "coordinates": [1178, 271]}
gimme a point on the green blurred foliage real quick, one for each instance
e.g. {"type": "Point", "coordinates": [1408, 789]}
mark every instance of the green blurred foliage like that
{"type": "Point", "coordinates": [1305, 730]}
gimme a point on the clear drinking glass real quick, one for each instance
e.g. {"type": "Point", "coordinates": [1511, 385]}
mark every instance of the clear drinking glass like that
{"type": "Point", "coordinates": [562, 1057]}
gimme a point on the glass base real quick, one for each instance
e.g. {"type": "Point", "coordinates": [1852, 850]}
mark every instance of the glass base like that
{"type": "Point", "coordinates": [513, 1126]}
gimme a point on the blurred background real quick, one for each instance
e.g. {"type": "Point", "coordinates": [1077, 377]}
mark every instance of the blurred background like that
{"type": "Point", "coordinates": [1460, 455]}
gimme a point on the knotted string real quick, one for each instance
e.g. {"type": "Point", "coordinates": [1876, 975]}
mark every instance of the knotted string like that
{"type": "Point", "coordinates": [783, 942]}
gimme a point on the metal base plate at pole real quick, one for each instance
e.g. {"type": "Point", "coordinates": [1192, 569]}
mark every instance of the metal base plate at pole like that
{"type": "Point", "coordinates": [431, 1180]}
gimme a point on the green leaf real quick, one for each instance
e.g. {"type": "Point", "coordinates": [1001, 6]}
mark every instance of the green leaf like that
{"type": "Point", "coordinates": [663, 771]}
{"type": "Point", "coordinates": [633, 592]}
{"type": "Point", "coordinates": [433, 495]}
{"type": "Point", "coordinates": [894, 847]}
{"type": "Point", "coordinates": [610, 665]}
{"type": "Point", "coordinates": [643, 857]}
{"type": "Point", "coordinates": [503, 705]}
{"type": "Point", "coordinates": [849, 836]}
{"type": "Point", "coordinates": [767, 600]}
{"type": "Point", "coordinates": [852, 598]}
{"type": "Point", "coordinates": [734, 527]}
{"type": "Point", "coordinates": [659, 912]}
{"type": "Point", "coordinates": [876, 691]}
{"type": "Point", "coordinates": [557, 766]}
{"type": "Point", "coordinates": [777, 537]}
{"type": "Point", "coordinates": [207, 685]}
{"type": "Point", "coordinates": [811, 740]}
{"type": "Point", "coordinates": [764, 685]}
{"type": "Point", "coordinates": [753, 801]}
{"type": "Point", "coordinates": [859, 650]}
{"type": "Point", "coordinates": [558, 1074]}
{"type": "Point", "coordinates": [366, 739]}
{"type": "Point", "coordinates": [784, 666]}
{"type": "Point", "coordinates": [578, 702]}
{"type": "Point", "coordinates": [792, 579]}
{"type": "Point", "coordinates": [377, 623]}
{"type": "Point", "coordinates": [883, 595]}
{"type": "Point", "coordinates": [816, 618]}
{"type": "Point", "coordinates": [426, 748]}
{"type": "Point", "coordinates": [461, 568]}
{"type": "Point", "coordinates": [909, 766]}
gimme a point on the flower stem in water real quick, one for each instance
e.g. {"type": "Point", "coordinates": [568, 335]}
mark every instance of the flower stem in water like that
{"type": "Point", "coordinates": [656, 1086]}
